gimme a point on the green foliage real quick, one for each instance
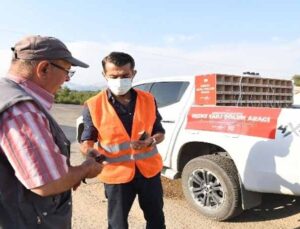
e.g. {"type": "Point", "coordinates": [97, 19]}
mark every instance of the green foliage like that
{"type": "Point", "coordinates": [296, 79]}
{"type": "Point", "coordinates": [67, 96]}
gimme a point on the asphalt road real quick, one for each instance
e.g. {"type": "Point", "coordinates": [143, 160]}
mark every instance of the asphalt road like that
{"type": "Point", "coordinates": [89, 203]}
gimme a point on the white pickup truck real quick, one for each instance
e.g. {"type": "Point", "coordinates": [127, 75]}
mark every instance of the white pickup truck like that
{"type": "Point", "coordinates": [226, 156]}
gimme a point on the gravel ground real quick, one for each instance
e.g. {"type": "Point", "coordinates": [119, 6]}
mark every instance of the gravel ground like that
{"type": "Point", "coordinates": [89, 203]}
{"type": "Point", "coordinates": [92, 195]}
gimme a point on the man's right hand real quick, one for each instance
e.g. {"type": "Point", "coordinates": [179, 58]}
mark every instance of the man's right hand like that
{"type": "Point", "coordinates": [90, 168]}
{"type": "Point", "coordinates": [93, 167]}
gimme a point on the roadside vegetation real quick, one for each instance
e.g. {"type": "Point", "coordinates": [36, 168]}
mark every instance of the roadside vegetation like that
{"type": "Point", "coordinates": [296, 79]}
{"type": "Point", "coordinates": [68, 96]}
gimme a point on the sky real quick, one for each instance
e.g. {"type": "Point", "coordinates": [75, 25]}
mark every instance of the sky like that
{"type": "Point", "coordinates": [165, 37]}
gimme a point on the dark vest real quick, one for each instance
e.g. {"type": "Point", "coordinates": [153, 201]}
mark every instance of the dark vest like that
{"type": "Point", "coordinates": [19, 207]}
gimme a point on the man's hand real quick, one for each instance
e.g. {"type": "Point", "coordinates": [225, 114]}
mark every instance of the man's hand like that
{"type": "Point", "coordinates": [76, 186]}
{"type": "Point", "coordinates": [85, 146]}
{"type": "Point", "coordinates": [90, 168]}
{"type": "Point", "coordinates": [93, 167]}
{"type": "Point", "coordinates": [149, 141]}
{"type": "Point", "coordinates": [140, 144]}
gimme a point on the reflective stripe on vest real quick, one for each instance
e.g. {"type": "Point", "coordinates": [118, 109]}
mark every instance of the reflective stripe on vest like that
{"type": "Point", "coordinates": [115, 148]}
{"type": "Point", "coordinates": [133, 157]}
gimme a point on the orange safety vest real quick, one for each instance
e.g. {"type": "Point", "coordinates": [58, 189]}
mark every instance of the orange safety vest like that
{"type": "Point", "coordinates": [114, 142]}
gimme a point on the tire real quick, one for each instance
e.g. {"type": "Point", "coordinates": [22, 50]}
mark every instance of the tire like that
{"type": "Point", "coordinates": [210, 183]}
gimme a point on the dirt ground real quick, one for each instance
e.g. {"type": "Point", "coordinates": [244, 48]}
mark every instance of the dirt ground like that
{"type": "Point", "coordinates": [172, 188]}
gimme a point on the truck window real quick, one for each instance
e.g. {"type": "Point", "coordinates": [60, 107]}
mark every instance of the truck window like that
{"type": "Point", "coordinates": [144, 87]}
{"type": "Point", "coordinates": [167, 93]}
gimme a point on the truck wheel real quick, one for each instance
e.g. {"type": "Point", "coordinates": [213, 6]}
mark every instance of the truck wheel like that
{"type": "Point", "coordinates": [210, 183]}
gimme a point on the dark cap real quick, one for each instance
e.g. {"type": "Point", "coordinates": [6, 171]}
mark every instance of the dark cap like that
{"type": "Point", "coordinates": [44, 48]}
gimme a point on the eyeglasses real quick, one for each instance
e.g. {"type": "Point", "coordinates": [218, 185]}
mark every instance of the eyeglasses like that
{"type": "Point", "coordinates": [69, 72]}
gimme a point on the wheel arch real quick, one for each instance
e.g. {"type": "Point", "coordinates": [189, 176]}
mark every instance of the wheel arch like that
{"type": "Point", "coordinates": [191, 150]}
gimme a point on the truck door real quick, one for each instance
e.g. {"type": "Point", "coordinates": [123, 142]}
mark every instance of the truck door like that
{"type": "Point", "coordinates": [171, 100]}
{"type": "Point", "coordinates": [169, 96]}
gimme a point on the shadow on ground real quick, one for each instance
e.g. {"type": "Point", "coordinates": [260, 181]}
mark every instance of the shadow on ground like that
{"type": "Point", "coordinates": [273, 206]}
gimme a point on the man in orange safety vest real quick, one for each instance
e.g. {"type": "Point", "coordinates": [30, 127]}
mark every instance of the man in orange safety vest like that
{"type": "Point", "coordinates": [126, 125]}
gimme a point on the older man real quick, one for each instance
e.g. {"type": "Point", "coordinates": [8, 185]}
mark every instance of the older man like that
{"type": "Point", "coordinates": [35, 173]}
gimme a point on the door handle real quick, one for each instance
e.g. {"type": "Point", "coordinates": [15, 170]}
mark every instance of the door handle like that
{"type": "Point", "coordinates": [168, 121]}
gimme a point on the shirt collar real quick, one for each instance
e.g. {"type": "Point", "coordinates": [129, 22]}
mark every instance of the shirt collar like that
{"type": "Point", "coordinates": [44, 97]}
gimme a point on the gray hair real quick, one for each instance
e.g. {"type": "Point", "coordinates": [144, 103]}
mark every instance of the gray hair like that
{"type": "Point", "coordinates": [23, 67]}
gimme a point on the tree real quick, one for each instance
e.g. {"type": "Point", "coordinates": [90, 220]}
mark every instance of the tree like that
{"type": "Point", "coordinates": [67, 96]}
{"type": "Point", "coordinates": [296, 79]}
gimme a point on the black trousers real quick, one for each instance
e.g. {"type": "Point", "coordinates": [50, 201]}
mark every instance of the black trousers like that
{"type": "Point", "coordinates": [150, 196]}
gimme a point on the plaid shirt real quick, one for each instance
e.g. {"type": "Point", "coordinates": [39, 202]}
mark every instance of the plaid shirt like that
{"type": "Point", "coordinates": [27, 142]}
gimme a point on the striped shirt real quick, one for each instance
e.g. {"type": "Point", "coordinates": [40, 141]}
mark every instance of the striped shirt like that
{"type": "Point", "coordinates": [27, 142]}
